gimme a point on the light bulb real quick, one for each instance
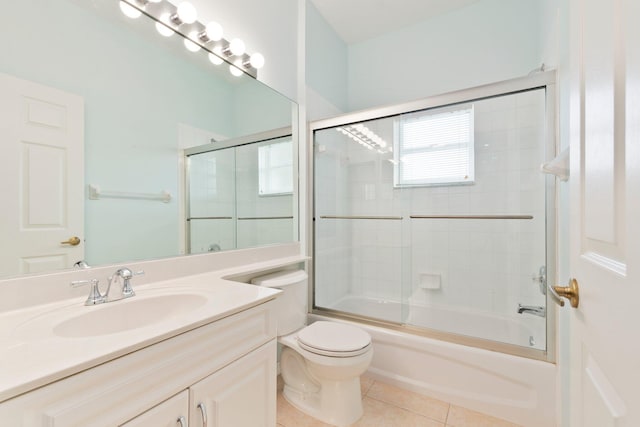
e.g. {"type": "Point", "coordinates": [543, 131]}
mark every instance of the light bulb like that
{"type": "Point", "coordinates": [216, 59]}
{"type": "Point", "coordinates": [129, 11]}
{"type": "Point", "coordinates": [237, 47]}
{"type": "Point", "coordinates": [235, 69]}
{"type": "Point", "coordinates": [187, 13]}
{"type": "Point", "coordinates": [189, 44]}
{"type": "Point", "coordinates": [257, 61]}
{"type": "Point", "coordinates": [214, 31]}
{"type": "Point", "coordinates": [164, 29]}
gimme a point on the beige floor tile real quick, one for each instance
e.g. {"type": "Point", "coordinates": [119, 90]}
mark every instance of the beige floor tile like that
{"type": "Point", "coordinates": [365, 384]}
{"type": "Point", "coordinates": [423, 405]}
{"type": "Point", "coordinates": [462, 417]}
{"type": "Point", "coordinates": [381, 414]}
{"type": "Point", "coordinates": [288, 416]}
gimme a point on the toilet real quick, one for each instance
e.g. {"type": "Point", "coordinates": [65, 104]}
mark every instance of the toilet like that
{"type": "Point", "coordinates": [321, 363]}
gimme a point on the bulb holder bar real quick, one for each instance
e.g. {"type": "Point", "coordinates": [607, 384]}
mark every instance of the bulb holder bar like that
{"type": "Point", "coordinates": [155, 10]}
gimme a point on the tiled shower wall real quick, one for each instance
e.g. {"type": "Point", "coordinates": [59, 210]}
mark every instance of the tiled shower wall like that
{"type": "Point", "coordinates": [470, 264]}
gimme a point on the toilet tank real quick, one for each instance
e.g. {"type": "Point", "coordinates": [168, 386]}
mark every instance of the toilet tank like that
{"type": "Point", "coordinates": [291, 305]}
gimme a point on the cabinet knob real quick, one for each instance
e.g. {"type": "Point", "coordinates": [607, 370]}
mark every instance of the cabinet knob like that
{"type": "Point", "coordinates": [181, 421]}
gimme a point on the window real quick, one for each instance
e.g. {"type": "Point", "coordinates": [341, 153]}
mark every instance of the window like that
{"type": "Point", "coordinates": [434, 147]}
{"type": "Point", "coordinates": [275, 166]}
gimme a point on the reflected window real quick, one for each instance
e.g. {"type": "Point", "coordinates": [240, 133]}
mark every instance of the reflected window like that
{"type": "Point", "coordinates": [275, 165]}
{"type": "Point", "coordinates": [434, 147]}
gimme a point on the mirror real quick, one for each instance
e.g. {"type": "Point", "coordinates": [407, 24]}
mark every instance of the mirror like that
{"type": "Point", "coordinates": [137, 101]}
{"type": "Point", "coordinates": [241, 196]}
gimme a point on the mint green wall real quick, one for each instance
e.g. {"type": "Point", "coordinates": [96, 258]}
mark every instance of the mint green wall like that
{"type": "Point", "coordinates": [259, 108]}
{"type": "Point", "coordinates": [488, 41]}
{"type": "Point", "coordinates": [326, 60]}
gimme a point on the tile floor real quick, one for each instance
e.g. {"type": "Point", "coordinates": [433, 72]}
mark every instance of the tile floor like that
{"type": "Point", "coordinates": [389, 406]}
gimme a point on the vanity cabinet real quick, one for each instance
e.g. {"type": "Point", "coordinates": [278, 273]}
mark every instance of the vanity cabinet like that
{"type": "Point", "coordinates": [228, 365]}
{"type": "Point", "coordinates": [170, 413]}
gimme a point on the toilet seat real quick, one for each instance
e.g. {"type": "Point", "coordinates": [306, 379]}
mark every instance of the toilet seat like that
{"type": "Point", "coordinates": [334, 339]}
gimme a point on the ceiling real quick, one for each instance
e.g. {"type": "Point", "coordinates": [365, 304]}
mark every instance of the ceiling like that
{"type": "Point", "coordinates": [359, 20]}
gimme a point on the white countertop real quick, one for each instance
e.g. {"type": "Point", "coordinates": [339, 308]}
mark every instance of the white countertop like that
{"type": "Point", "coordinates": [32, 355]}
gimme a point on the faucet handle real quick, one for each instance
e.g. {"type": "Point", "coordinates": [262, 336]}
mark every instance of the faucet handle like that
{"type": "Point", "coordinates": [95, 297]}
{"type": "Point", "coordinates": [127, 275]}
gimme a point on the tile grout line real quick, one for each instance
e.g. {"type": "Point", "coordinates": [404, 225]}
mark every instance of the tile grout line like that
{"type": "Point", "coordinates": [411, 410]}
{"type": "Point", "coordinates": [446, 419]}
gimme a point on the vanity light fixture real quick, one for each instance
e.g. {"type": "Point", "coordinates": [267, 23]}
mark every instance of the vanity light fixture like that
{"type": "Point", "coordinates": [236, 69]}
{"type": "Point", "coordinates": [185, 14]}
{"type": "Point", "coordinates": [163, 27]}
{"type": "Point", "coordinates": [237, 47]}
{"type": "Point", "coordinates": [129, 11]}
{"type": "Point", "coordinates": [190, 43]}
{"type": "Point", "coordinates": [256, 61]}
{"type": "Point", "coordinates": [215, 57]}
{"type": "Point", "coordinates": [182, 19]}
{"type": "Point", "coordinates": [212, 32]}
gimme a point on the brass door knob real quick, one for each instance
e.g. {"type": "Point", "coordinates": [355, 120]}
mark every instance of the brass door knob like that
{"type": "Point", "coordinates": [571, 292]}
{"type": "Point", "coordinates": [73, 241]}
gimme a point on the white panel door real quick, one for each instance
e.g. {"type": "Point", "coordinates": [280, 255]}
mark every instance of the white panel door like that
{"type": "Point", "coordinates": [41, 177]}
{"type": "Point", "coordinates": [605, 212]}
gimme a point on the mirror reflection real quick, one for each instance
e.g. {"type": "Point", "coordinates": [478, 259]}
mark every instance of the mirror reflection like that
{"type": "Point", "coordinates": [241, 196]}
{"type": "Point", "coordinates": [96, 116]}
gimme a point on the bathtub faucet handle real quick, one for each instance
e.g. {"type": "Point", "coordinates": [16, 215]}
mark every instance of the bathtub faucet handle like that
{"type": "Point", "coordinates": [536, 310]}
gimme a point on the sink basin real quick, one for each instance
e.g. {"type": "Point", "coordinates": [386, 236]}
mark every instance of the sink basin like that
{"type": "Point", "coordinates": [78, 321]}
{"type": "Point", "coordinates": [126, 315]}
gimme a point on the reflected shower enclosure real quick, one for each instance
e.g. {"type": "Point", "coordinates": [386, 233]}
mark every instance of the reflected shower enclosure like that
{"type": "Point", "coordinates": [241, 193]}
{"type": "Point", "coordinates": [436, 219]}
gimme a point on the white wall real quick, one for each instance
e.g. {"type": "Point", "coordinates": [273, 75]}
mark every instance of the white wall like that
{"type": "Point", "coordinates": [488, 41]}
{"type": "Point", "coordinates": [555, 53]}
{"type": "Point", "coordinates": [326, 64]}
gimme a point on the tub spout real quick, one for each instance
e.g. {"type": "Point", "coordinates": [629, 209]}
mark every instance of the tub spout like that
{"type": "Point", "coordinates": [536, 310]}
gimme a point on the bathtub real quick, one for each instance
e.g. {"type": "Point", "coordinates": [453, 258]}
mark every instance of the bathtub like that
{"type": "Point", "coordinates": [517, 329]}
{"type": "Point", "coordinates": [517, 389]}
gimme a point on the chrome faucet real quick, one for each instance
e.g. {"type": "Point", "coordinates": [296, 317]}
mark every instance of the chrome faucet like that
{"type": "Point", "coordinates": [124, 291]}
{"type": "Point", "coordinates": [536, 310]}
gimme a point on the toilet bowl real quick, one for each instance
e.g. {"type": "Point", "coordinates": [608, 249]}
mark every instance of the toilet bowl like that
{"type": "Point", "coordinates": [321, 363]}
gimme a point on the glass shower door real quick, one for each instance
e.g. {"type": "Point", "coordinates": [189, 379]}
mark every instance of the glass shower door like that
{"type": "Point", "coordinates": [437, 219]}
{"type": "Point", "coordinates": [478, 247]}
{"type": "Point", "coordinates": [358, 222]}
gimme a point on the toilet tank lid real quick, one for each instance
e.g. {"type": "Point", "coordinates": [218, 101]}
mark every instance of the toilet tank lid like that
{"type": "Point", "coordinates": [280, 278]}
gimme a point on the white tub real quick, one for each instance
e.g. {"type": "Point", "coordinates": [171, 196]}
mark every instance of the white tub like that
{"type": "Point", "coordinates": [514, 388]}
{"type": "Point", "coordinates": [518, 329]}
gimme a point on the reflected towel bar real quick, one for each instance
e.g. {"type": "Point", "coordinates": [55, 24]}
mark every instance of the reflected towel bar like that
{"type": "Point", "coordinates": [95, 193]}
{"type": "Point", "coordinates": [264, 217]}
{"type": "Point", "coordinates": [209, 217]}
{"type": "Point", "coordinates": [471, 216]}
{"type": "Point", "coordinates": [395, 218]}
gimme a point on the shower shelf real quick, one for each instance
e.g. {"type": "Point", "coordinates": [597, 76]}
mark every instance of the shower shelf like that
{"type": "Point", "coordinates": [471, 216]}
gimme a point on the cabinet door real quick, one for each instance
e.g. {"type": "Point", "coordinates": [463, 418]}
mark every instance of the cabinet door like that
{"type": "Point", "coordinates": [170, 413]}
{"type": "Point", "coordinates": [243, 394]}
